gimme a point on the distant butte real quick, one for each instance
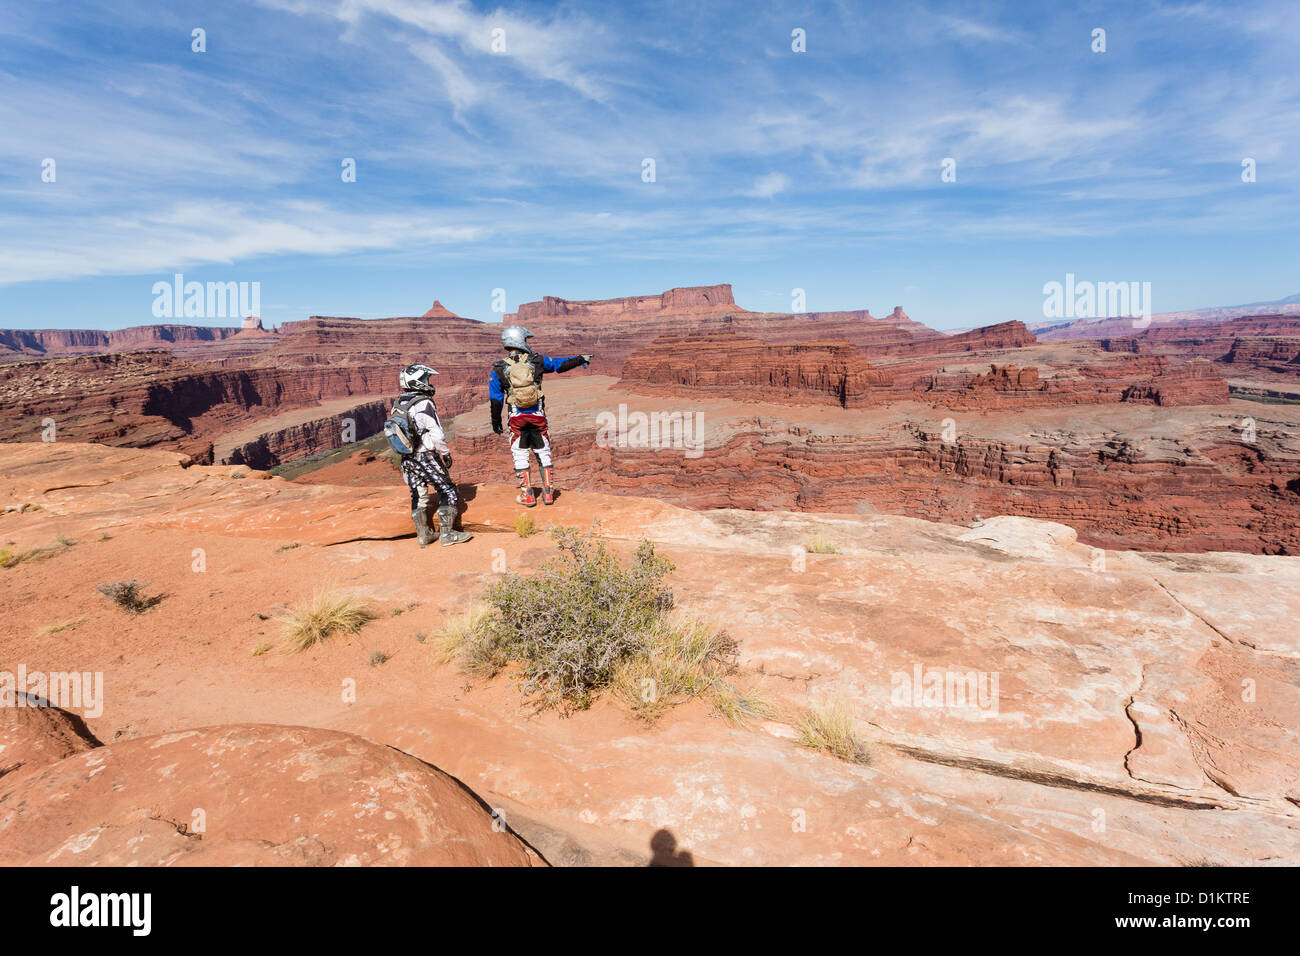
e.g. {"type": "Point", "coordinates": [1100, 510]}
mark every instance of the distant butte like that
{"type": "Point", "coordinates": [439, 311]}
{"type": "Point", "coordinates": [689, 300]}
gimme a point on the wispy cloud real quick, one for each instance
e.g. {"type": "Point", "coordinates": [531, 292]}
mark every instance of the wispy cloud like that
{"type": "Point", "coordinates": [765, 187]}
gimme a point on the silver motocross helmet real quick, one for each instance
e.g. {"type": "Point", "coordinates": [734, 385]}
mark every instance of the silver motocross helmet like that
{"type": "Point", "coordinates": [416, 378]}
{"type": "Point", "coordinates": [516, 337]}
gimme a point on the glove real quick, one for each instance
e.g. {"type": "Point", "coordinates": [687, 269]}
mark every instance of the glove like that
{"type": "Point", "coordinates": [497, 428]}
{"type": "Point", "coordinates": [446, 461]}
{"type": "Point", "coordinates": [586, 360]}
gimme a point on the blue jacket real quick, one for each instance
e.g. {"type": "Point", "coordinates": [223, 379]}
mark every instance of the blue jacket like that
{"type": "Point", "coordinates": [541, 364]}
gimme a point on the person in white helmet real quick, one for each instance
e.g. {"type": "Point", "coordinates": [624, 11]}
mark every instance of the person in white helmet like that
{"type": "Point", "coordinates": [515, 383]}
{"type": "Point", "coordinates": [429, 461]}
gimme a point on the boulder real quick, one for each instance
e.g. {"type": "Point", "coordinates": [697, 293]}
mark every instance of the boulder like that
{"type": "Point", "coordinates": [248, 794]}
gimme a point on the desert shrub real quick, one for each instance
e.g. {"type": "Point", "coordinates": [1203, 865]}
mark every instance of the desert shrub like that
{"type": "Point", "coordinates": [128, 595]}
{"type": "Point", "coordinates": [587, 623]}
{"type": "Point", "coordinates": [830, 728]}
{"type": "Point", "coordinates": [326, 613]}
{"type": "Point", "coordinates": [524, 525]}
{"type": "Point", "coordinates": [820, 544]}
{"type": "Point", "coordinates": [571, 625]}
{"type": "Point", "coordinates": [261, 648]}
{"type": "Point", "coordinates": [377, 658]}
{"type": "Point", "coordinates": [568, 627]}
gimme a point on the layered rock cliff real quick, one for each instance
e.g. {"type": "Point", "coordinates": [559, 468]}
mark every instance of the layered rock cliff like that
{"type": "Point", "coordinates": [693, 300]}
{"type": "Point", "coordinates": [835, 372]}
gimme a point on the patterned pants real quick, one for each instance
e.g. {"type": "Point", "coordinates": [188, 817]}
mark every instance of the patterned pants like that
{"type": "Point", "coordinates": [423, 470]}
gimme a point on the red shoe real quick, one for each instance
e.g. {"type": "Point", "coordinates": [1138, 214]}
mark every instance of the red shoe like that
{"type": "Point", "coordinates": [526, 497]}
{"type": "Point", "coordinates": [548, 491]}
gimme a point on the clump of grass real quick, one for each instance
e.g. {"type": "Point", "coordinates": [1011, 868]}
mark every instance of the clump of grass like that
{"type": "Point", "coordinates": [10, 558]}
{"type": "Point", "coordinates": [128, 595]}
{"type": "Point", "coordinates": [288, 547]}
{"type": "Point", "coordinates": [59, 628]}
{"type": "Point", "coordinates": [820, 544]}
{"type": "Point", "coordinates": [469, 642]}
{"type": "Point", "coordinates": [524, 525]}
{"type": "Point", "coordinates": [261, 648]}
{"type": "Point", "coordinates": [684, 659]}
{"type": "Point", "coordinates": [328, 612]}
{"type": "Point", "coordinates": [830, 728]}
{"type": "Point", "coordinates": [739, 707]}
{"type": "Point", "coordinates": [377, 658]}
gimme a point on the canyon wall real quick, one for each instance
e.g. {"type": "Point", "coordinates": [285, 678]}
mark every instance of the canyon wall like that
{"type": "Point", "coordinates": [1149, 494]}
{"type": "Point", "coordinates": [19, 344]}
{"type": "Point", "coordinates": [836, 372]}
{"type": "Point", "coordinates": [309, 438]}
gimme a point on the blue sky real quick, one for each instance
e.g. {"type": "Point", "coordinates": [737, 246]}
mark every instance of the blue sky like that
{"type": "Point", "coordinates": [522, 170]}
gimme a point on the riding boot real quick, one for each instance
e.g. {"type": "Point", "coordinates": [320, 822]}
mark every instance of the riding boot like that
{"type": "Point", "coordinates": [446, 525]}
{"type": "Point", "coordinates": [525, 496]}
{"type": "Point", "coordinates": [548, 490]}
{"type": "Point", "coordinates": [422, 529]}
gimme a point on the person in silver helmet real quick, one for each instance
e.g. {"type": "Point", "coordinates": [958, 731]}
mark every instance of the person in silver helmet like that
{"type": "Point", "coordinates": [515, 384]}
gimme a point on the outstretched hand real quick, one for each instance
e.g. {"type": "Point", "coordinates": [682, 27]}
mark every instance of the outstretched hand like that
{"type": "Point", "coordinates": [586, 360]}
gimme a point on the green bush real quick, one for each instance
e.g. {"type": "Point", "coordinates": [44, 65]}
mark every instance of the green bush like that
{"type": "Point", "coordinates": [571, 625]}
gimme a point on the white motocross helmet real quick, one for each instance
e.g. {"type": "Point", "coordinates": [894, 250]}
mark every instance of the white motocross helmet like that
{"type": "Point", "coordinates": [516, 337]}
{"type": "Point", "coordinates": [416, 378]}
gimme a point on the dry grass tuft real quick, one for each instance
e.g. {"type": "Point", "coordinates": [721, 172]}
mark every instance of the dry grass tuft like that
{"type": "Point", "coordinates": [830, 728]}
{"type": "Point", "coordinates": [467, 642]}
{"type": "Point", "coordinates": [59, 628]}
{"type": "Point", "coordinates": [328, 612]}
{"type": "Point", "coordinates": [820, 544]}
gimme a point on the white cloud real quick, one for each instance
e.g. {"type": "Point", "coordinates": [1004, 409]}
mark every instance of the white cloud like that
{"type": "Point", "coordinates": [765, 187]}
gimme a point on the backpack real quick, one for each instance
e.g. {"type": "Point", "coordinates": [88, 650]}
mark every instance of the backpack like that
{"type": "Point", "coordinates": [400, 429]}
{"type": "Point", "coordinates": [523, 390]}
